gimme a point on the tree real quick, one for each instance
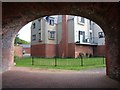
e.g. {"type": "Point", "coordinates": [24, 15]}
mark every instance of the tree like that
{"type": "Point", "coordinates": [20, 41]}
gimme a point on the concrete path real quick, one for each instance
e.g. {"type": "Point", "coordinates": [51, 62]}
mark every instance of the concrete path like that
{"type": "Point", "coordinates": [35, 78]}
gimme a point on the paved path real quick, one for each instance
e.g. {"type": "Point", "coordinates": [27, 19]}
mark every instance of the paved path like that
{"type": "Point", "coordinates": [29, 78]}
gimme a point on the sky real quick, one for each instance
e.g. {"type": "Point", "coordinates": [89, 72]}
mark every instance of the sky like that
{"type": "Point", "coordinates": [25, 32]}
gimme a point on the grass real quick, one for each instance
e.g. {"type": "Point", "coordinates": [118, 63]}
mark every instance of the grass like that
{"type": "Point", "coordinates": [65, 63]}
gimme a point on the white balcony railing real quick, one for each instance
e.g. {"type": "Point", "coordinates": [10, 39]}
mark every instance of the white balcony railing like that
{"type": "Point", "coordinates": [93, 40]}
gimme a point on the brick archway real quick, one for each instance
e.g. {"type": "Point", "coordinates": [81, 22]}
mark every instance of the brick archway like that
{"type": "Point", "coordinates": [16, 15]}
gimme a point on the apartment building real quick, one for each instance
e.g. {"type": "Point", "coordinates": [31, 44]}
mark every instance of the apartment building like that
{"type": "Point", "coordinates": [43, 37]}
{"type": "Point", "coordinates": [83, 36]}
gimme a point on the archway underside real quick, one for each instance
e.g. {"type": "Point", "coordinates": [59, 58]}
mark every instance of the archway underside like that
{"type": "Point", "coordinates": [16, 15]}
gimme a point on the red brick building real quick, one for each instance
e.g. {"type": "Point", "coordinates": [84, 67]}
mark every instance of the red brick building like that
{"type": "Point", "coordinates": [26, 48]}
{"type": "Point", "coordinates": [18, 51]}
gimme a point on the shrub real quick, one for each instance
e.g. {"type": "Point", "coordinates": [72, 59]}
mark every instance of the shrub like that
{"type": "Point", "coordinates": [16, 57]}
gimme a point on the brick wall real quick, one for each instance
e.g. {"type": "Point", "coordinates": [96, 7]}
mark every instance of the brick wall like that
{"type": "Point", "coordinates": [27, 50]}
{"type": "Point", "coordinates": [50, 50]}
{"type": "Point", "coordinates": [18, 51]}
{"type": "Point", "coordinates": [99, 50]}
{"type": "Point", "coordinates": [71, 50]}
{"type": "Point", "coordinates": [60, 50]}
{"type": "Point", "coordinates": [43, 50]}
{"type": "Point", "coordinates": [85, 49]}
{"type": "Point", "coordinates": [38, 50]}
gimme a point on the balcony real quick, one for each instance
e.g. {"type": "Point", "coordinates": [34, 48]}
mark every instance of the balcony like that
{"type": "Point", "coordinates": [89, 41]}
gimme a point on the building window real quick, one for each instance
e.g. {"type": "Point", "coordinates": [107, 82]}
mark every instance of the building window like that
{"type": "Point", "coordinates": [90, 25]}
{"type": "Point", "coordinates": [51, 34]}
{"type": "Point", "coordinates": [33, 25]}
{"type": "Point", "coordinates": [33, 37]}
{"type": "Point", "coordinates": [100, 34]}
{"type": "Point", "coordinates": [82, 20]}
{"type": "Point", "coordinates": [40, 37]}
{"type": "Point", "coordinates": [51, 22]}
{"type": "Point", "coordinates": [91, 35]}
{"type": "Point", "coordinates": [81, 34]}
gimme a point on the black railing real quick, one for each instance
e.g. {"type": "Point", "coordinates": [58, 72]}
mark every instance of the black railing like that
{"type": "Point", "coordinates": [60, 62]}
{"type": "Point", "coordinates": [81, 61]}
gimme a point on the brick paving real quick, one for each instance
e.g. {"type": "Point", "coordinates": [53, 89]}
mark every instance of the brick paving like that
{"type": "Point", "coordinates": [42, 78]}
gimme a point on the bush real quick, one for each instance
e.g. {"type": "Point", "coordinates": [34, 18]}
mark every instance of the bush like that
{"type": "Point", "coordinates": [16, 57]}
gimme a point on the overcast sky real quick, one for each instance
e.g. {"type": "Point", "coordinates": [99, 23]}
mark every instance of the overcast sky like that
{"type": "Point", "coordinates": [25, 32]}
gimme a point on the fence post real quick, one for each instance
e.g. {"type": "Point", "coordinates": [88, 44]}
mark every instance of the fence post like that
{"type": "Point", "coordinates": [32, 60]}
{"type": "Point", "coordinates": [103, 60]}
{"type": "Point", "coordinates": [55, 61]}
{"type": "Point", "coordinates": [81, 59]}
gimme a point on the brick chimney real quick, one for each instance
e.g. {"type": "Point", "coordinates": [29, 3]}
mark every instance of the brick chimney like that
{"type": "Point", "coordinates": [64, 36]}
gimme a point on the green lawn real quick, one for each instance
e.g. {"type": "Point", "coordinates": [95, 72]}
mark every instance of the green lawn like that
{"type": "Point", "coordinates": [64, 63]}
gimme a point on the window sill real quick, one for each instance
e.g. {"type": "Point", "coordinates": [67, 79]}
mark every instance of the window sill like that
{"type": "Point", "coordinates": [40, 40]}
{"type": "Point", "coordinates": [80, 23]}
{"type": "Point", "coordinates": [51, 39]}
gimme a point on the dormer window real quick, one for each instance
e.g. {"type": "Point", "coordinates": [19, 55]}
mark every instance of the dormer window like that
{"type": "Point", "coordinates": [82, 20]}
{"type": "Point", "coordinates": [100, 34]}
{"type": "Point", "coordinates": [51, 22]}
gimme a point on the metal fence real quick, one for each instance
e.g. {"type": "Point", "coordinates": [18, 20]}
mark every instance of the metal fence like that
{"type": "Point", "coordinates": [67, 61]}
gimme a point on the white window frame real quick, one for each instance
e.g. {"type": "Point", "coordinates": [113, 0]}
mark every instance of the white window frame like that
{"type": "Point", "coordinates": [51, 22]}
{"type": "Point", "coordinates": [34, 37]}
{"type": "Point", "coordinates": [49, 35]}
{"type": "Point", "coordinates": [101, 35]}
{"type": "Point", "coordinates": [40, 36]}
{"type": "Point", "coordinates": [79, 20]}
